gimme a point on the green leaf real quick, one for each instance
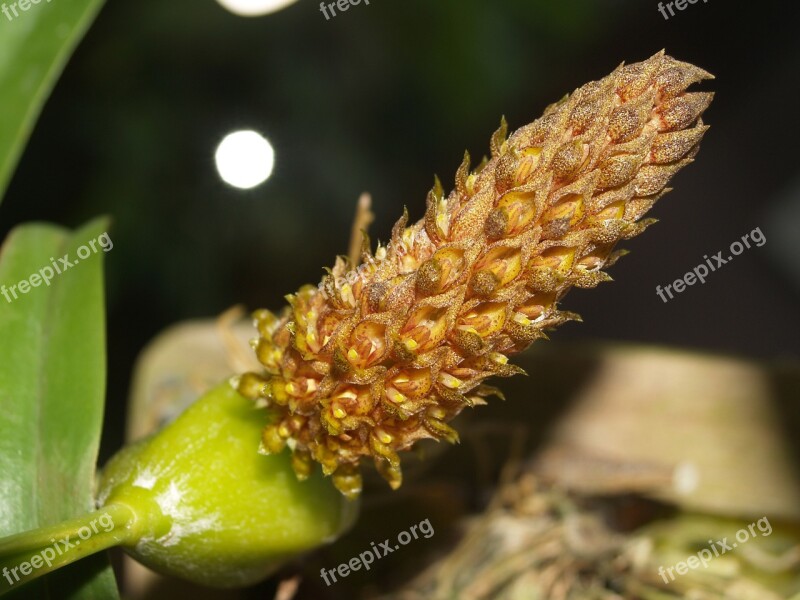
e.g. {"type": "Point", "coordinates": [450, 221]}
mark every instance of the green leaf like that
{"type": "Point", "coordinates": [34, 47]}
{"type": "Point", "coordinates": [52, 386]}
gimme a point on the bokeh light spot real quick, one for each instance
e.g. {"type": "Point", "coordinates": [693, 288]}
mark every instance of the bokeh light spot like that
{"type": "Point", "coordinates": [254, 8]}
{"type": "Point", "coordinates": [244, 159]}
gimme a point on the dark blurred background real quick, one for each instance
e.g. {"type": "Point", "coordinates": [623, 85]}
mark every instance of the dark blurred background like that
{"type": "Point", "coordinates": [379, 99]}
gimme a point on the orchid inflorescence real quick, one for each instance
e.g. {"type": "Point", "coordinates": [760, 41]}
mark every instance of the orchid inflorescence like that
{"type": "Point", "coordinates": [366, 365]}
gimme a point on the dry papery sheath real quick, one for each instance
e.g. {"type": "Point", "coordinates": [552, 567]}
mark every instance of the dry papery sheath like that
{"type": "Point", "coordinates": [385, 353]}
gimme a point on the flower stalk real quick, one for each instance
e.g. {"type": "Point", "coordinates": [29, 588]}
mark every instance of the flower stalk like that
{"type": "Point", "coordinates": [30, 555]}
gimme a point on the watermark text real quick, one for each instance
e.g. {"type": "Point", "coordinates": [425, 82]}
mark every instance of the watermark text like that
{"type": "Point", "coordinates": [59, 546]}
{"type": "Point", "coordinates": [366, 558]}
{"type": "Point", "coordinates": [719, 548]}
{"type": "Point", "coordinates": [23, 5]}
{"type": "Point", "coordinates": [342, 5]}
{"type": "Point", "coordinates": [679, 4]}
{"type": "Point", "coordinates": [701, 271]}
{"type": "Point", "coordinates": [47, 273]}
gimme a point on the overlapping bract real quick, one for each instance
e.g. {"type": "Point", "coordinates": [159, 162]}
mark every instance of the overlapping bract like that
{"type": "Point", "coordinates": [386, 353]}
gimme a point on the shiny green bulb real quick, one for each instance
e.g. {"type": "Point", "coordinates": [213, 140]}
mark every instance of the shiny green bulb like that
{"type": "Point", "coordinates": [209, 508]}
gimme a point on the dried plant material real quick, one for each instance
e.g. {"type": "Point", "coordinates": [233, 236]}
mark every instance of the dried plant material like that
{"type": "Point", "coordinates": [585, 473]}
{"type": "Point", "coordinates": [384, 354]}
{"type": "Point", "coordinates": [717, 424]}
{"type": "Point", "coordinates": [186, 360]}
{"type": "Point", "coordinates": [540, 543]}
{"type": "Point", "coordinates": [364, 216]}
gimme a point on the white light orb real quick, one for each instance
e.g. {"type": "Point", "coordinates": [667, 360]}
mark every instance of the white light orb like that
{"type": "Point", "coordinates": [254, 8]}
{"type": "Point", "coordinates": [244, 159]}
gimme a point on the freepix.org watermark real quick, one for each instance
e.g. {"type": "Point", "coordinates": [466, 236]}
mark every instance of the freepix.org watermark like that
{"type": "Point", "coordinates": [719, 548]}
{"type": "Point", "coordinates": [342, 5]}
{"type": "Point", "coordinates": [24, 6]}
{"type": "Point", "coordinates": [701, 271]}
{"type": "Point", "coordinates": [49, 554]}
{"type": "Point", "coordinates": [679, 4]}
{"type": "Point", "coordinates": [366, 558]}
{"type": "Point", "coordinates": [47, 273]}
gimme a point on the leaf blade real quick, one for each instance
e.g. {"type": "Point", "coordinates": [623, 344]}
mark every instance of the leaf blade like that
{"type": "Point", "coordinates": [52, 387]}
{"type": "Point", "coordinates": [34, 48]}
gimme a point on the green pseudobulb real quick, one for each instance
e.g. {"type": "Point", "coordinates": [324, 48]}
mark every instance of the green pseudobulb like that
{"type": "Point", "coordinates": [211, 509]}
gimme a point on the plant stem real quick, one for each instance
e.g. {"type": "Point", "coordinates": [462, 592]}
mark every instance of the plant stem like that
{"type": "Point", "coordinates": [29, 555]}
